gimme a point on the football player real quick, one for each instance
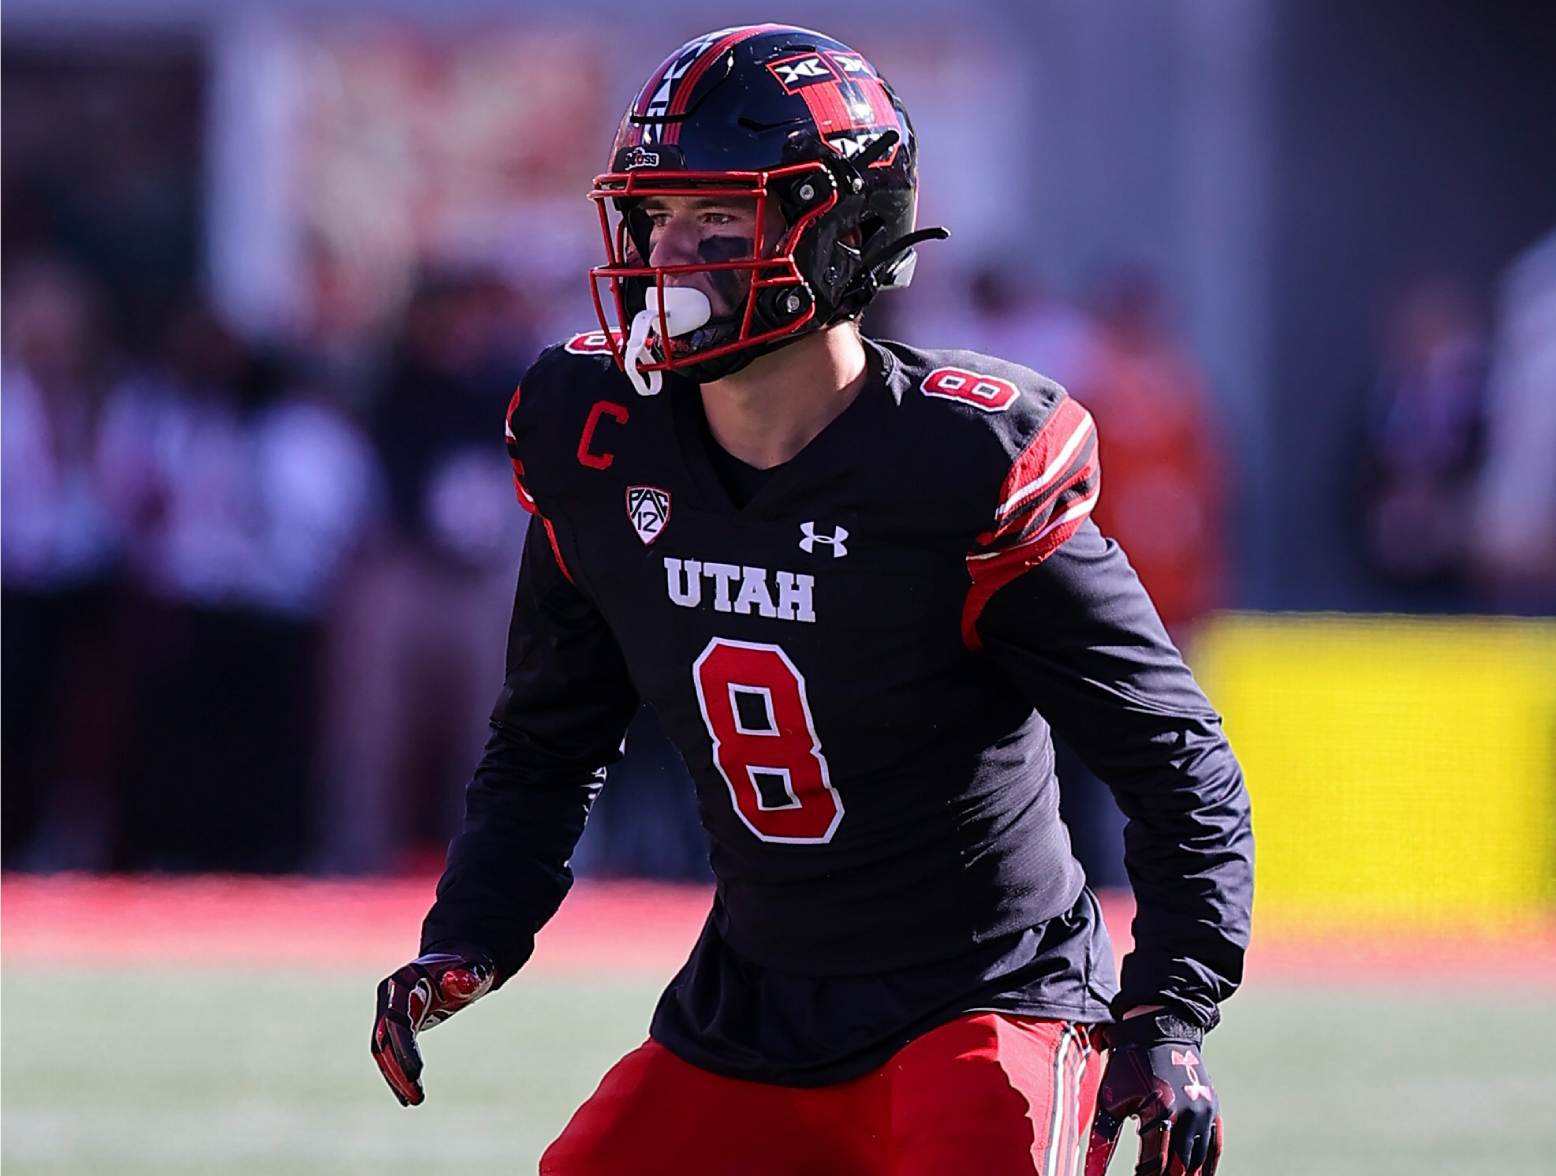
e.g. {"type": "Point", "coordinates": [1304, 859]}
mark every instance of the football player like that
{"type": "Point", "coordinates": [857, 582]}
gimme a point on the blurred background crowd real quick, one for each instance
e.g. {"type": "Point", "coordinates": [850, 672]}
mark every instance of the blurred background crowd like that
{"type": "Point", "coordinates": [270, 272]}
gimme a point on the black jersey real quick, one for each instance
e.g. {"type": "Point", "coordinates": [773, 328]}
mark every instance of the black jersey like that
{"type": "Point", "coordinates": [860, 665]}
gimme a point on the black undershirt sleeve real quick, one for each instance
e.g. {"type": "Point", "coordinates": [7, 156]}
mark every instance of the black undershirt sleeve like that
{"type": "Point", "coordinates": [1079, 637]}
{"type": "Point", "coordinates": [559, 722]}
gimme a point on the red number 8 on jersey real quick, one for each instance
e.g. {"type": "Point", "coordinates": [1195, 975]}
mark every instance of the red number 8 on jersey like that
{"type": "Point", "coordinates": [988, 393]}
{"type": "Point", "coordinates": [764, 741]}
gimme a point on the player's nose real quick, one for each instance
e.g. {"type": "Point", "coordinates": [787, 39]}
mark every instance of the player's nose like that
{"type": "Point", "coordinates": [674, 244]}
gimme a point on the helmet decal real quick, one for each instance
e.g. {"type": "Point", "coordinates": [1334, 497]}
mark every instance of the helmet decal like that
{"type": "Point", "coordinates": [640, 156]}
{"type": "Point", "coordinates": [845, 96]}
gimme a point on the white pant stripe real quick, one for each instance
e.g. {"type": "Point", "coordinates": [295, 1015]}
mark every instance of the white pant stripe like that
{"type": "Point", "coordinates": [1061, 1090]}
{"type": "Point", "coordinates": [1080, 1076]}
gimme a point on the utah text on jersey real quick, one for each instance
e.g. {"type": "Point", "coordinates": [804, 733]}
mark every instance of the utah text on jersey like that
{"type": "Point", "coordinates": [788, 596]}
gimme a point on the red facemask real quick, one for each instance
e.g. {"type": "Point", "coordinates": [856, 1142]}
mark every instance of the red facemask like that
{"type": "Point", "coordinates": [656, 327]}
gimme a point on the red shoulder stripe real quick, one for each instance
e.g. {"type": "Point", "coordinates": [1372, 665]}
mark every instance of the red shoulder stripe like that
{"type": "Point", "coordinates": [1039, 467]}
{"type": "Point", "coordinates": [991, 571]}
{"type": "Point", "coordinates": [1036, 508]}
{"type": "Point", "coordinates": [1050, 490]}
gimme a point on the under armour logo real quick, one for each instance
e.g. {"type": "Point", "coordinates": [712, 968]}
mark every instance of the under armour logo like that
{"type": "Point", "coordinates": [835, 540]}
{"type": "Point", "coordinates": [1195, 1088]}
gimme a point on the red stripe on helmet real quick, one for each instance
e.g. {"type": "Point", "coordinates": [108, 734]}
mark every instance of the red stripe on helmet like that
{"type": "Point", "coordinates": [646, 94]}
{"type": "Point", "coordinates": [880, 102]}
{"type": "Point", "coordinates": [688, 82]}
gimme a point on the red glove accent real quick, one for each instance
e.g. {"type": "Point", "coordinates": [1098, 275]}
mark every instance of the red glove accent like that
{"type": "Point", "coordinates": [425, 992]}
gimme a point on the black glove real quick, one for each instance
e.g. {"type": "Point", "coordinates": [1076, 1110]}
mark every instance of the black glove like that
{"type": "Point", "coordinates": [428, 990]}
{"type": "Point", "coordinates": [1155, 1072]}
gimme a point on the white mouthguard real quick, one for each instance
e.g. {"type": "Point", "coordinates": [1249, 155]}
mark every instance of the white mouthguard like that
{"type": "Point", "coordinates": [685, 309]}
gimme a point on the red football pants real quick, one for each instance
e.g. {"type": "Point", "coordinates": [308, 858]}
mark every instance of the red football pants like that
{"type": "Point", "coordinates": [986, 1093]}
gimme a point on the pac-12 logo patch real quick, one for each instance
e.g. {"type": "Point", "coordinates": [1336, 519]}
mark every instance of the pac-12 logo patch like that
{"type": "Point", "coordinates": [648, 507]}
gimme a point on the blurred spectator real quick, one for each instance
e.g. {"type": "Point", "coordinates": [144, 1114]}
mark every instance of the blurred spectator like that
{"type": "Point", "coordinates": [56, 528]}
{"type": "Point", "coordinates": [1008, 313]}
{"type": "Point", "coordinates": [417, 654]}
{"type": "Point", "coordinates": [1164, 486]}
{"type": "Point", "coordinates": [1424, 437]}
{"type": "Point", "coordinates": [102, 157]}
{"type": "Point", "coordinates": [1514, 532]}
{"type": "Point", "coordinates": [240, 499]}
{"type": "Point", "coordinates": [61, 718]}
{"type": "Point", "coordinates": [1162, 500]}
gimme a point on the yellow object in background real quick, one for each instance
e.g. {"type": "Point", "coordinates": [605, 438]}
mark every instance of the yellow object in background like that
{"type": "Point", "coordinates": [1402, 770]}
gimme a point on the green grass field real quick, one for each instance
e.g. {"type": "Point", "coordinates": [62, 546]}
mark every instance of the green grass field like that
{"type": "Point", "coordinates": [238, 1071]}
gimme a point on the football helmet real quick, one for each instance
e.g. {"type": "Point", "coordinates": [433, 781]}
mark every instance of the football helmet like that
{"type": "Point", "coordinates": [768, 113]}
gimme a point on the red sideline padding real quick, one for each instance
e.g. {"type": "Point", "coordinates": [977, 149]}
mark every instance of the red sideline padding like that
{"type": "Point", "coordinates": [223, 920]}
{"type": "Point", "coordinates": [603, 927]}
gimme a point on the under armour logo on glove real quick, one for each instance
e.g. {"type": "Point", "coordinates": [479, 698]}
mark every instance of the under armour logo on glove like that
{"type": "Point", "coordinates": [834, 540]}
{"type": "Point", "coordinates": [1193, 1088]}
{"type": "Point", "coordinates": [1155, 1074]}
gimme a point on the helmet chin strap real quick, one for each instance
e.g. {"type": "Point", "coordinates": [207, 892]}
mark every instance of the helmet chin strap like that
{"type": "Point", "coordinates": [685, 309]}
